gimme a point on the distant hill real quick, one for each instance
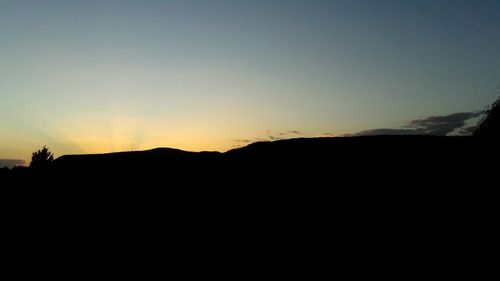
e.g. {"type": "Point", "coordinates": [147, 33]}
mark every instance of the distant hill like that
{"type": "Point", "coordinates": [291, 147]}
{"type": "Point", "coordinates": [315, 196]}
{"type": "Point", "coordinates": [390, 187]}
{"type": "Point", "coordinates": [133, 159]}
{"type": "Point", "coordinates": [312, 160]}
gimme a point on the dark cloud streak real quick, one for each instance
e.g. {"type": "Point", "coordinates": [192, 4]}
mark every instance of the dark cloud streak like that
{"type": "Point", "coordinates": [270, 136]}
{"type": "Point", "coordinates": [434, 125]}
{"type": "Point", "coordinates": [243, 141]}
{"type": "Point", "coordinates": [442, 125]}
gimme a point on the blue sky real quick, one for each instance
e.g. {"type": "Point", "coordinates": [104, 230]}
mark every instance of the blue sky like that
{"type": "Point", "coordinates": [94, 76]}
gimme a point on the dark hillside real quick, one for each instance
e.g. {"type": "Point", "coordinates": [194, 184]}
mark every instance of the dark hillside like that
{"type": "Point", "coordinates": [365, 189]}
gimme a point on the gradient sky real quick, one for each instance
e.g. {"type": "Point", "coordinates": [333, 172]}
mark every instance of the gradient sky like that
{"type": "Point", "coordinates": [95, 76]}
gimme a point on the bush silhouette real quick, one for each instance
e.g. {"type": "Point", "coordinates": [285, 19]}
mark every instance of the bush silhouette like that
{"type": "Point", "coordinates": [41, 158]}
{"type": "Point", "coordinates": [489, 125]}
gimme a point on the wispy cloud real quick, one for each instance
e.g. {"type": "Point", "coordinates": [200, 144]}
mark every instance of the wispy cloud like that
{"type": "Point", "coordinates": [9, 163]}
{"type": "Point", "coordinates": [327, 135]}
{"type": "Point", "coordinates": [434, 125]}
{"type": "Point", "coordinates": [268, 135]}
{"type": "Point", "coordinates": [243, 141]}
{"type": "Point", "coordinates": [466, 131]}
{"type": "Point", "coordinates": [385, 131]}
{"type": "Point", "coordinates": [442, 125]}
{"type": "Point", "coordinates": [273, 138]}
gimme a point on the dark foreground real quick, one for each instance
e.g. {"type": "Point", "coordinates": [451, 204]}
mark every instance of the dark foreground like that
{"type": "Point", "coordinates": [291, 195]}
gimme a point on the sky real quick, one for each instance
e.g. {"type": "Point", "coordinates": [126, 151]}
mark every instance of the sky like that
{"type": "Point", "coordinates": [91, 76]}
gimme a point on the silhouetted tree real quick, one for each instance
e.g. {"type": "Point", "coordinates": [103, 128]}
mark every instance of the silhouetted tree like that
{"type": "Point", "coordinates": [489, 125]}
{"type": "Point", "coordinates": [41, 158]}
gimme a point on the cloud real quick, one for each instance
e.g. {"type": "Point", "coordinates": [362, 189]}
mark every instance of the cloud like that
{"type": "Point", "coordinates": [466, 131]}
{"type": "Point", "coordinates": [434, 125]}
{"type": "Point", "coordinates": [273, 133]}
{"type": "Point", "coordinates": [273, 138]}
{"type": "Point", "coordinates": [327, 135]}
{"type": "Point", "coordinates": [9, 163]}
{"type": "Point", "coordinates": [266, 136]}
{"type": "Point", "coordinates": [270, 135]}
{"type": "Point", "coordinates": [442, 125]}
{"type": "Point", "coordinates": [380, 132]}
{"type": "Point", "coordinates": [243, 141]}
{"type": "Point", "coordinates": [277, 135]}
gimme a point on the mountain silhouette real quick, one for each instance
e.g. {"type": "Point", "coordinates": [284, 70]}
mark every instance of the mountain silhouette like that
{"type": "Point", "coordinates": [320, 192]}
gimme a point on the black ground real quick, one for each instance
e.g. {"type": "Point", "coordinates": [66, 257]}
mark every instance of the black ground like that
{"type": "Point", "coordinates": [325, 192]}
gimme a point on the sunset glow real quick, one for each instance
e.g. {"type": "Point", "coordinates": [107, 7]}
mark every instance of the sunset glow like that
{"type": "Point", "coordinates": [103, 76]}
